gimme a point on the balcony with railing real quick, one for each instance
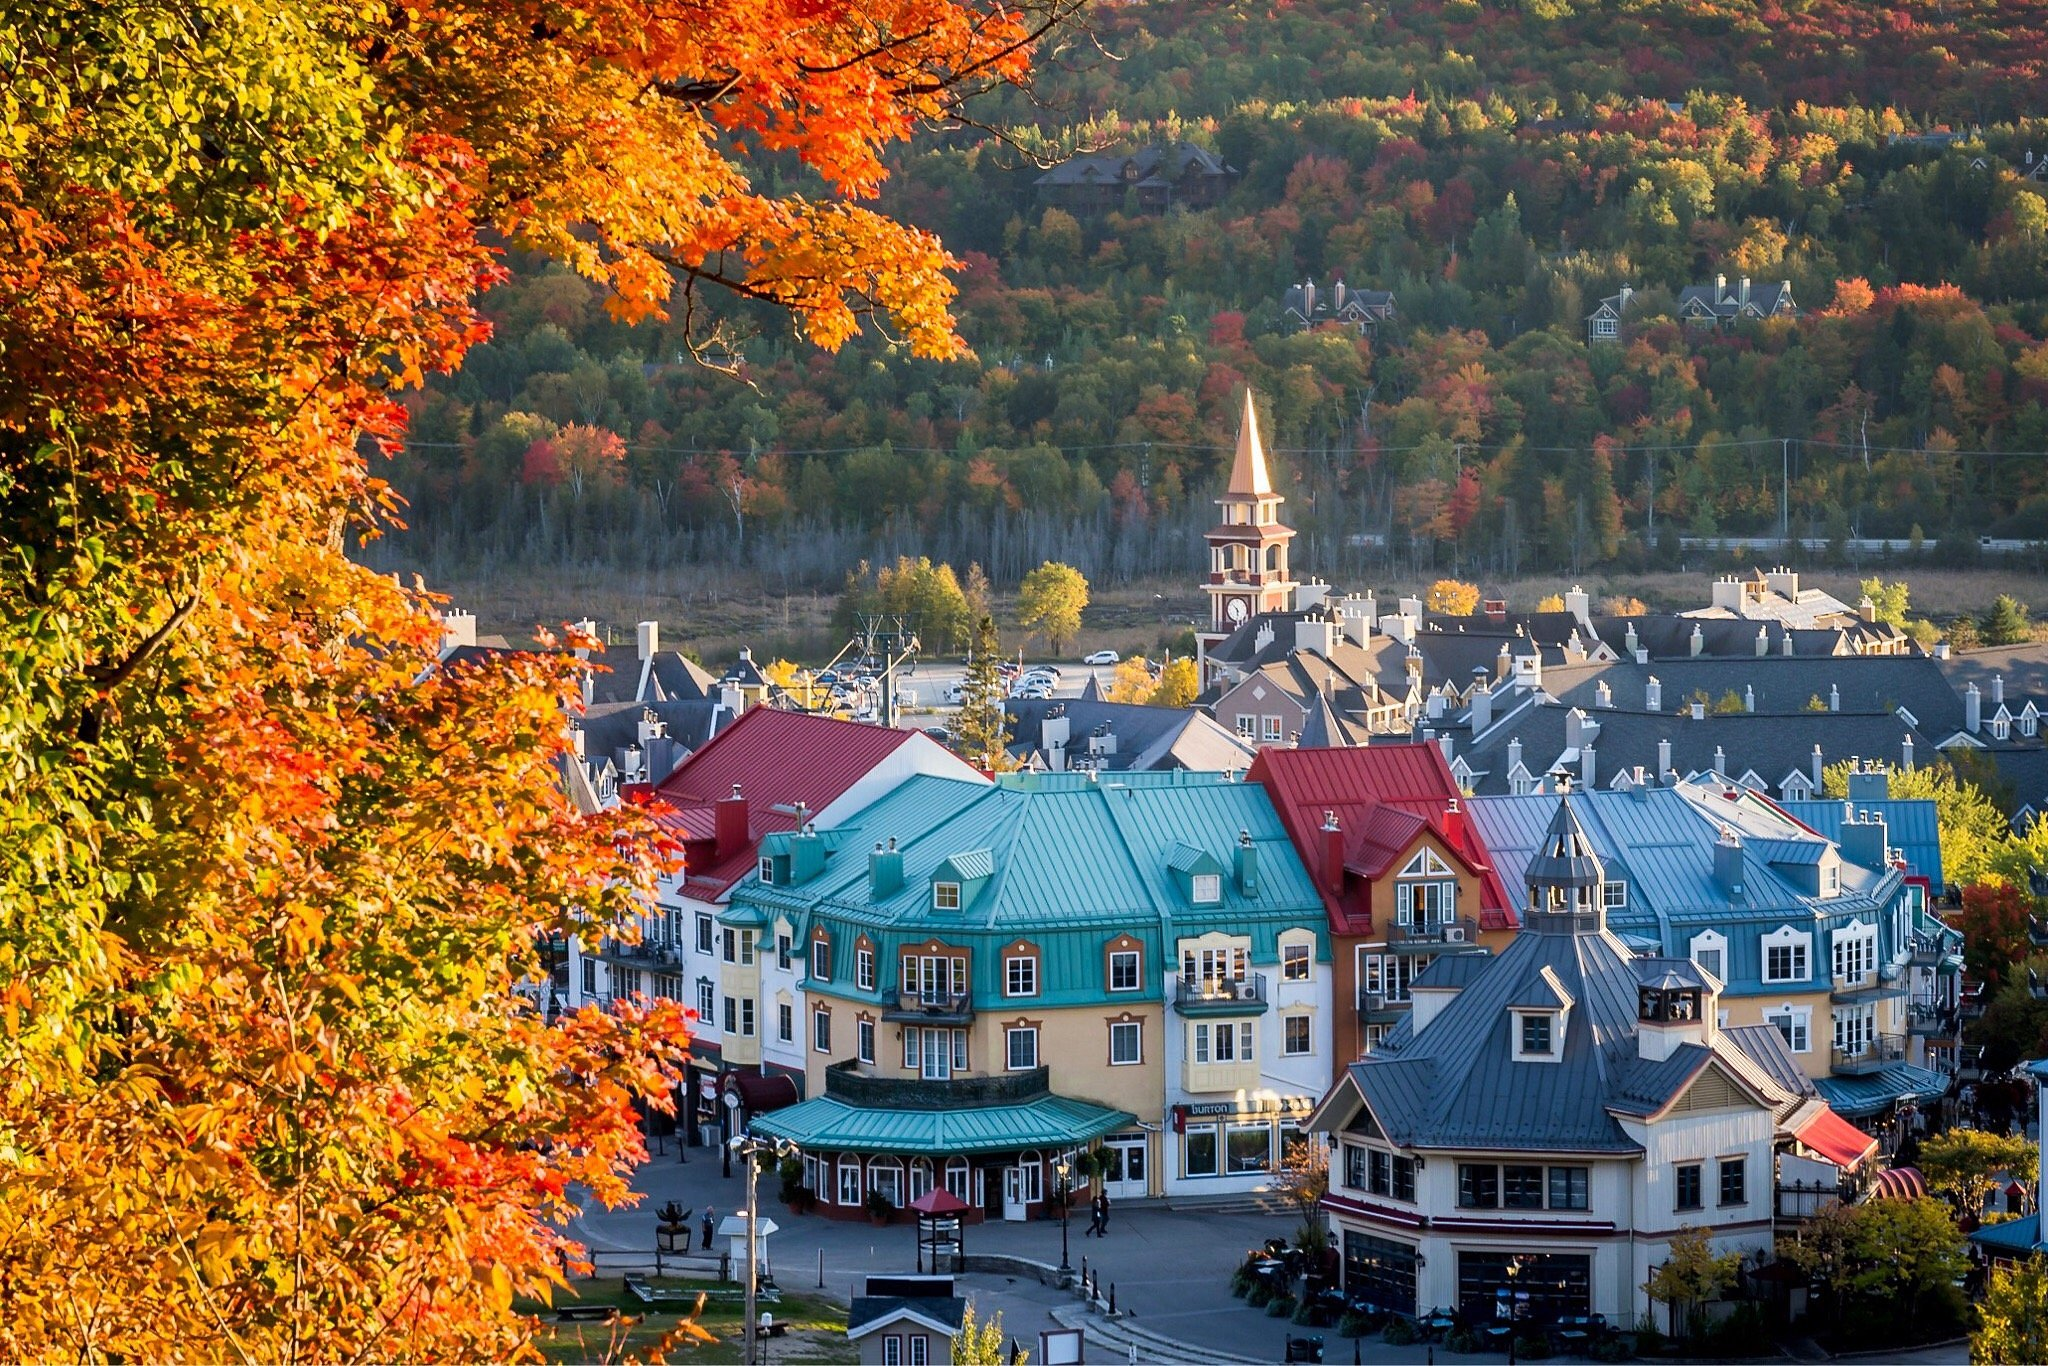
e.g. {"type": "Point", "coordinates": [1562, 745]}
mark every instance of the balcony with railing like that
{"type": "Point", "coordinates": [1923, 952]}
{"type": "Point", "coordinates": [929, 1007]}
{"type": "Point", "coordinates": [1220, 995]}
{"type": "Point", "coordinates": [1376, 1007]}
{"type": "Point", "coordinates": [1433, 936]}
{"type": "Point", "coordinates": [1885, 1050]}
{"type": "Point", "coordinates": [1932, 1019]}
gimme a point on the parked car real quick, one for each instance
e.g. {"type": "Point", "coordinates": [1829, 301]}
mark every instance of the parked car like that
{"type": "Point", "coordinates": [939, 733]}
{"type": "Point", "coordinates": [828, 678]}
{"type": "Point", "coordinates": [953, 694]}
{"type": "Point", "coordinates": [1037, 691]}
{"type": "Point", "coordinates": [1103, 657]}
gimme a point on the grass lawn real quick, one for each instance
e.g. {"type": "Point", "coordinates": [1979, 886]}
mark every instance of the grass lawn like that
{"type": "Point", "coordinates": [817, 1328]}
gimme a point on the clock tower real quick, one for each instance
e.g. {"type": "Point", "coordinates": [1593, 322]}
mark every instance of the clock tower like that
{"type": "Point", "coordinates": [1248, 571]}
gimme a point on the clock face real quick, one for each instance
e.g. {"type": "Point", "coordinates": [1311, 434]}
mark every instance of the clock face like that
{"type": "Point", "coordinates": [1234, 609]}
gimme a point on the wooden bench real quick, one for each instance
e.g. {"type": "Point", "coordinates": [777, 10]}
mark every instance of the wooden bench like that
{"type": "Point", "coordinates": [583, 1313]}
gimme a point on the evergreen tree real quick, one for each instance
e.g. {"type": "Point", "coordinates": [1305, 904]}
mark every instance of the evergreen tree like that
{"type": "Point", "coordinates": [2006, 624]}
{"type": "Point", "coordinates": [981, 731]}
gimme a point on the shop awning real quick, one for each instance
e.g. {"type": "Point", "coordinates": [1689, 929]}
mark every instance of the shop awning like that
{"type": "Point", "coordinates": [760, 1094]}
{"type": "Point", "coordinates": [1899, 1183]}
{"type": "Point", "coordinates": [1836, 1139]}
{"type": "Point", "coordinates": [828, 1124]}
{"type": "Point", "coordinates": [1876, 1092]}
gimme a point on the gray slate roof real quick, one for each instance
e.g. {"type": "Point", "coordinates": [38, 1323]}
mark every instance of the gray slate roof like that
{"type": "Point", "coordinates": [1147, 738]}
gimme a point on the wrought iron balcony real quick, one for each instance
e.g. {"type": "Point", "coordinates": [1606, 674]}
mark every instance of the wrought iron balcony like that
{"type": "Point", "coordinates": [1923, 952]}
{"type": "Point", "coordinates": [929, 1007]}
{"type": "Point", "coordinates": [1433, 936]}
{"type": "Point", "coordinates": [1886, 1050]}
{"type": "Point", "coordinates": [1931, 1019]}
{"type": "Point", "coordinates": [1221, 995]}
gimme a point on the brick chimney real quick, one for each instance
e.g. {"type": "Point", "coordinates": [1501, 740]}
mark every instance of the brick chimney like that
{"type": "Point", "coordinates": [730, 826]}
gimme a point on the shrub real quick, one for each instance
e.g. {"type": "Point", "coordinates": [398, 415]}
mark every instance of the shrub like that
{"type": "Point", "coordinates": [1280, 1306]}
{"type": "Point", "coordinates": [1649, 1337]}
{"type": "Point", "coordinates": [1259, 1296]}
{"type": "Point", "coordinates": [1305, 1313]}
{"type": "Point", "coordinates": [1742, 1334]}
{"type": "Point", "coordinates": [1241, 1281]}
{"type": "Point", "coordinates": [1400, 1333]}
{"type": "Point", "coordinates": [1615, 1348]}
{"type": "Point", "coordinates": [1353, 1325]}
{"type": "Point", "coordinates": [1532, 1347]}
{"type": "Point", "coordinates": [1463, 1341]}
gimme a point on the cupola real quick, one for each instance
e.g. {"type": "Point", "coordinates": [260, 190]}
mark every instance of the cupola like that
{"type": "Point", "coordinates": [1565, 878]}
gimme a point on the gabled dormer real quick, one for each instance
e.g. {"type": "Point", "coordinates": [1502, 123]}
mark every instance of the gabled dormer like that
{"type": "Point", "coordinates": [1197, 875]}
{"type": "Point", "coordinates": [792, 858]}
{"type": "Point", "coordinates": [957, 881]}
{"type": "Point", "coordinates": [1537, 1015]}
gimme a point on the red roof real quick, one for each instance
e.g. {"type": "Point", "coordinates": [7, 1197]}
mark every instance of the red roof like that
{"type": "Point", "coordinates": [778, 759]}
{"type": "Point", "coordinates": [1836, 1139]}
{"type": "Point", "coordinates": [1384, 796]}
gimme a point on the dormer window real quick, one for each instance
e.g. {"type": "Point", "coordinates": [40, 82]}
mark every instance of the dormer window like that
{"type": "Point", "coordinates": [1614, 895]}
{"type": "Point", "coordinates": [1208, 889]}
{"type": "Point", "coordinates": [768, 870]}
{"type": "Point", "coordinates": [1537, 1032]}
{"type": "Point", "coordinates": [945, 896]}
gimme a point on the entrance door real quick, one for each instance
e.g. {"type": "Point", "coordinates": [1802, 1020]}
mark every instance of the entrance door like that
{"type": "Point", "coordinates": [1013, 1193]}
{"type": "Point", "coordinates": [1126, 1177]}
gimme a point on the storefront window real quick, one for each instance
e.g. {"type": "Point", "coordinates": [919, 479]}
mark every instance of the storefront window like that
{"type": "Point", "coordinates": [1250, 1148]}
{"type": "Point", "coordinates": [1201, 1150]}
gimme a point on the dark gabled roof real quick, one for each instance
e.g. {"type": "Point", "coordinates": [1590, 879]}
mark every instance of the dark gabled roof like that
{"type": "Point", "coordinates": [1869, 684]}
{"type": "Point", "coordinates": [1665, 636]}
{"type": "Point", "coordinates": [1170, 162]}
{"type": "Point", "coordinates": [1724, 300]}
{"type": "Point", "coordinates": [2023, 667]}
{"type": "Point", "coordinates": [1146, 737]}
{"type": "Point", "coordinates": [869, 1312]}
{"type": "Point", "coordinates": [611, 726]}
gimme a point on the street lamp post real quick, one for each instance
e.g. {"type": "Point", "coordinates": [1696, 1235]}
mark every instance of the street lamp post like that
{"type": "Point", "coordinates": [1064, 1169]}
{"type": "Point", "coordinates": [749, 1150]}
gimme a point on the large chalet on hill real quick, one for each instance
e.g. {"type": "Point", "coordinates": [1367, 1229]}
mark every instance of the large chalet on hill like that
{"type": "Point", "coordinates": [1157, 178]}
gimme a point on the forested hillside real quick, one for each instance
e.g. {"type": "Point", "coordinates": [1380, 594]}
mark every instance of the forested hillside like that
{"type": "Point", "coordinates": [1500, 168]}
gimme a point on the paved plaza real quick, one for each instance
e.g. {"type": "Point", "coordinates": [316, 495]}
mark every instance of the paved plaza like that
{"type": "Point", "coordinates": [1170, 1269]}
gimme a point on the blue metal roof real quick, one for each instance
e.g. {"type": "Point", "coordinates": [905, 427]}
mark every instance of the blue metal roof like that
{"type": "Point", "coordinates": [828, 1124]}
{"type": "Point", "coordinates": [1911, 828]}
{"type": "Point", "coordinates": [1855, 1097]}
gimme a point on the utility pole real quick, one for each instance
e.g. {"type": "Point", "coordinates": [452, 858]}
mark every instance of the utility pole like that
{"type": "Point", "coordinates": [1785, 494]}
{"type": "Point", "coordinates": [750, 1149]}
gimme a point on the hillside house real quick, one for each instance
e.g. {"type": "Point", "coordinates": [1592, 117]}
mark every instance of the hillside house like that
{"type": "Point", "coordinates": [1154, 178]}
{"type": "Point", "coordinates": [1717, 305]}
{"type": "Point", "coordinates": [1307, 306]}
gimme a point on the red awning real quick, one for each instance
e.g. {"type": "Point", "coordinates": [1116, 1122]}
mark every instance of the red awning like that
{"type": "Point", "coordinates": [1900, 1183]}
{"type": "Point", "coordinates": [1836, 1139]}
{"type": "Point", "coordinates": [761, 1094]}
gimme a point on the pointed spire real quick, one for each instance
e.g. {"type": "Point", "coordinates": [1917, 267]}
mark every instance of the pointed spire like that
{"type": "Point", "coordinates": [1248, 477]}
{"type": "Point", "coordinates": [1565, 876]}
{"type": "Point", "coordinates": [1091, 691]}
{"type": "Point", "coordinates": [1320, 729]}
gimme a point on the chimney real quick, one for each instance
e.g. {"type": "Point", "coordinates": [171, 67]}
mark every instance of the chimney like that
{"type": "Point", "coordinates": [1434, 707]}
{"type": "Point", "coordinates": [1587, 770]}
{"type": "Point", "coordinates": [1763, 641]}
{"type": "Point", "coordinates": [1054, 732]}
{"type": "Point", "coordinates": [1514, 754]}
{"type": "Point", "coordinates": [585, 627]}
{"type": "Point", "coordinates": [1699, 711]}
{"type": "Point", "coordinates": [1865, 839]}
{"type": "Point", "coordinates": [1720, 760]}
{"type": "Point", "coordinates": [1866, 609]}
{"type": "Point", "coordinates": [1743, 296]}
{"type": "Point", "coordinates": [1333, 854]}
{"type": "Point", "coordinates": [1748, 697]}
{"type": "Point", "coordinates": [457, 629]}
{"type": "Point", "coordinates": [1906, 751]}
{"type": "Point", "coordinates": [1245, 864]}
{"type": "Point", "coordinates": [1653, 695]}
{"type": "Point", "coordinates": [732, 699]}
{"type": "Point", "coordinates": [648, 634]}
{"type": "Point", "coordinates": [1728, 863]}
{"type": "Point", "coordinates": [1720, 288]}
{"type": "Point", "coordinates": [729, 828]}
{"type": "Point", "coordinates": [1834, 698]}
{"type": "Point", "coordinates": [1998, 690]}
{"type": "Point", "coordinates": [1785, 644]}
{"type": "Point", "coordinates": [1698, 641]}
{"type": "Point", "coordinates": [1973, 709]}
{"type": "Point", "coordinates": [1603, 696]}
{"type": "Point", "coordinates": [649, 727]}
{"type": "Point", "coordinates": [806, 850]}
{"type": "Point", "coordinates": [1503, 663]}
{"type": "Point", "coordinates": [885, 871]}
{"type": "Point", "coordinates": [1414, 662]}
{"type": "Point", "coordinates": [1664, 760]}
{"type": "Point", "coordinates": [1630, 641]}
{"type": "Point", "coordinates": [1448, 743]}
{"type": "Point", "coordinates": [1580, 605]}
{"type": "Point", "coordinates": [1482, 708]}
{"type": "Point", "coordinates": [1869, 783]}
{"type": "Point", "coordinates": [1818, 765]}
{"type": "Point", "coordinates": [1727, 594]}
{"type": "Point", "coordinates": [1315, 633]}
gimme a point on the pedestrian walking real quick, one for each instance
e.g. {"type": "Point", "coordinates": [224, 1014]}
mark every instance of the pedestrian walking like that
{"type": "Point", "coordinates": [1102, 1214]}
{"type": "Point", "coordinates": [709, 1224]}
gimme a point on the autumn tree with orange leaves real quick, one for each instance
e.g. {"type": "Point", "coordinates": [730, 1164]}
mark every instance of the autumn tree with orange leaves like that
{"type": "Point", "coordinates": [270, 880]}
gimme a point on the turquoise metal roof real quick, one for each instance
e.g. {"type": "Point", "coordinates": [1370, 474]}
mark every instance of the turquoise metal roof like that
{"type": "Point", "coordinates": [827, 1124]}
{"type": "Point", "coordinates": [1855, 1097]}
{"type": "Point", "coordinates": [2013, 1238]}
{"type": "Point", "coordinates": [972, 866]}
{"type": "Point", "coordinates": [1072, 862]}
{"type": "Point", "coordinates": [1911, 827]}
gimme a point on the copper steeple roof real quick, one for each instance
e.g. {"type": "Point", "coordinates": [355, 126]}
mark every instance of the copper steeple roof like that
{"type": "Point", "coordinates": [1248, 477]}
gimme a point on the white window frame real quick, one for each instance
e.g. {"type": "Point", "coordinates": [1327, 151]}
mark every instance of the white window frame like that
{"type": "Point", "coordinates": [821, 1031]}
{"type": "Point", "coordinates": [864, 1041]}
{"type": "Point", "coordinates": [1270, 729]}
{"type": "Point", "coordinates": [850, 1192]}
{"type": "Point", "coordinates": [1137, 980]}
{"type": "Point", "coordinates": [1301, 955]}
{"type": "Point", "coordinates": [1605, 327]}
{"type": "Point", "coordinates": [1206, 889]}
{"type": "Point", "coordinates": [1785, 937]}
{"type": "Point", "coordinates": [1554, 1036]}
{"type": "Point", "coordinates": [920, 1348]}
{"type": "Point", "coordinates": [1800, 1018]}
{"type": "Point", "coordinates": [767, 870]}
{"type": "Point", "coordinates": [1126, 1037]}
{"type": "Point", "coordinates": [1710, 942]}
{"type": "Point", "coordinates": [1853, 952]}
{"type": "Point", "coordinates": [1308, 1035]}
{"type": "Point", "coordinates": [1011, 1038]}
{"type": "Point", "coordinates": [1614, 895]}
{"type": "Point", "coordinates": [1020, 975]}
{"type": "Point", "coordinates": [707, 1005]}
{"type": "Point", "coordinates": [864, 969]}
{"type": "Point", "coordinates": [785, 1021]}
{"type": "Point", "coordinates": [1247, 726]}
{"type": "Point", "coordinates": [892, 1349]}
{"type": "Point", "coordinates": [945, 896]}
{"type": "Point", "coordinates": [819, 968]}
